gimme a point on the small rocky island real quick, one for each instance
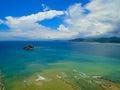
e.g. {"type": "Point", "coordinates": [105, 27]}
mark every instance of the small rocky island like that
{"type": "Point", "coordinates": [29, 47]}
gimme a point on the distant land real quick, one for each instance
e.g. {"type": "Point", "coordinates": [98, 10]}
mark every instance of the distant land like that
{"type": "Point", "coordinates": [100, 40]}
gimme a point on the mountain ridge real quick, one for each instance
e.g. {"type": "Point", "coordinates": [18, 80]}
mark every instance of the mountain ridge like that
{"type": "Point", "coordinates": [100, 40]}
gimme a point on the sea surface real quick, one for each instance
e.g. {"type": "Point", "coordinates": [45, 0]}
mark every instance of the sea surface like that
{"type": "Point", "coordinates": [91, 58]}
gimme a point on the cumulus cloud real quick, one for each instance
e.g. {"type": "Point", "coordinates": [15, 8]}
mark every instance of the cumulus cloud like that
{"type": "Point", "coordinates": [27, 27]}
{"type": "Point", "coordinates": [38, 34]}
{"type": "Point", "coordinates": [96, 18]}
{"type": "Point", "coordinates": [45, 7]}
{"type": "Point", "coordinates": [63, 28]}
{"type": "Point", "coordinates": [1, 21]}
{"type": "Point", "coordinates": [103, 18]}
{"type": "Point", "coordinates": [31, 20]}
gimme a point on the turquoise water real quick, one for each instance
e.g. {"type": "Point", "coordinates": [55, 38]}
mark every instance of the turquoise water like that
{"type": "Point", "coordinates": [91, 58]}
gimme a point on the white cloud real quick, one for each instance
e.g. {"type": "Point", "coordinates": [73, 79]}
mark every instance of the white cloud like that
{"type": "Point", "coordinates": [62, 28]}
{"type": "Point", "coordinates": [45, 7]}
{"type": "Point", "coordinates": [1, 21]}
{"type": "Point", "coordinates": [31, 20]}
{"type": "Point", "coordinates": [36, 35]}
{"type": "Point", "coordinates": [28, 27]}
{"type": "Point", "coordinates": [102, 19]}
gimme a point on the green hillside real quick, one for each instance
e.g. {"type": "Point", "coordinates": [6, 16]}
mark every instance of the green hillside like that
{"type": "Point", "coordinates": [101, 40]}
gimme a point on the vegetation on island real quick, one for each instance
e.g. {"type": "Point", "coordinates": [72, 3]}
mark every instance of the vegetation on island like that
{"type": "Point", "coordinates": [29, 47]}
{"type": "Point", "coordinates": [100, 40]}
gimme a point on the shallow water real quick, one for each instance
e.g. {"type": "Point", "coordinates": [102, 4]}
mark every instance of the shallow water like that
{"type": "Point", "coordinates": [90, 58]}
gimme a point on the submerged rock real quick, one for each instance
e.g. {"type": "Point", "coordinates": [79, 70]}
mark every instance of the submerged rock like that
{"type": "Point", "coordinates": [97, 77]}
{"type": "Point", "coordinates": [29, 47]}
{"type": "Point", "coordinates": [40, 78]}
{"type": "Point", "coordinates": [2, 79]}
{"type": "Point", "coordinates": [1, 87]}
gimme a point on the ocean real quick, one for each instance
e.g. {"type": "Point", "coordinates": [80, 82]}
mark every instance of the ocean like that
{"type": "Point", "coordinates": [17, 64]}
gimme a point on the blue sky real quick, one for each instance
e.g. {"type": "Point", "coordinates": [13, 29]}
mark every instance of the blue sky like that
{"type": "Point", "coordinates": [24, 7]}
{"type": "Point", "coordinates": [56, 19]}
